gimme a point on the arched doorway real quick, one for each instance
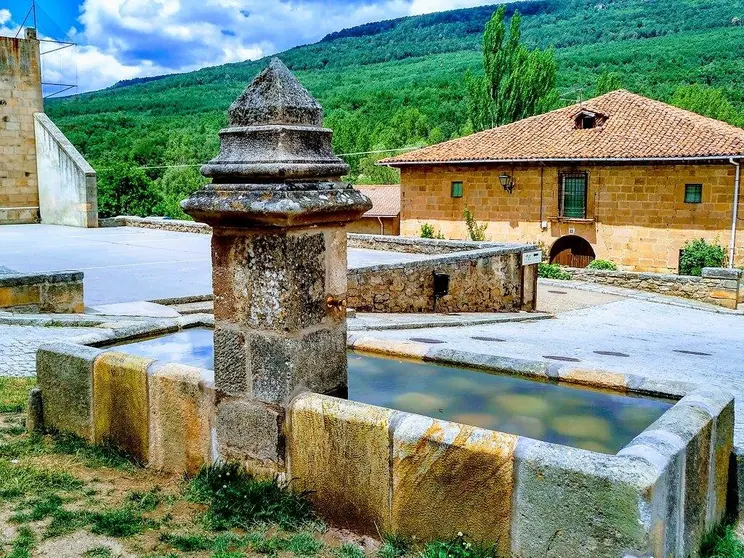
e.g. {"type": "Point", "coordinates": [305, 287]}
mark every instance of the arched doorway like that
{"type": "Point", "coordinates": [572, 251]}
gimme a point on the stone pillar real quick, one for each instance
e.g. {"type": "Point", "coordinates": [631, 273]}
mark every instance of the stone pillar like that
{"type": "Point", "coordinates": [278, 211]}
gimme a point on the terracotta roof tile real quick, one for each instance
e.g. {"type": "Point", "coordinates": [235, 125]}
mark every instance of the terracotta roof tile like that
{"type": "Point", "coordinates": [385, 200]}
{"type": "Point", "coordinates": [635, 128]}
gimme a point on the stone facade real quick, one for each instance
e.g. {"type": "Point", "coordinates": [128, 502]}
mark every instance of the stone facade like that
{"type": "Point", "coordinates": [722, 287]}
{"type": "Point", "coordinates": [485, 280]}
{"type": "Point", "coordinates": [636, 214]}
{"type": "Point", "coordinates": [20, 98]}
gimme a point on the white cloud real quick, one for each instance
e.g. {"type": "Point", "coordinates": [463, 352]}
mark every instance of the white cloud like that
{"type": "Point", "coordinates": [136, 38]}
{"type": "Point", "coordinates": [4, 16]}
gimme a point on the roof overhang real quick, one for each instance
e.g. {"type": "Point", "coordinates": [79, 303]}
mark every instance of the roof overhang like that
{"type": "Point", "coordinates": [564, 160]}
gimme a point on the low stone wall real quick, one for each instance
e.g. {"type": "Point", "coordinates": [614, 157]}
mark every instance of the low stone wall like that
{"type": "Point", "coordinates": [158, 224]}
{"type": "Point", "coordinates": [413, 245]}
{"type": "Point", "coordinates": [723, 287]}
{"type": "Point", "coordinates": [68, 185]}
{"type": "Point", "coordinates": [56, 293]}
{"type": "Point", "coordinates": [377, 470]}
{"type": "Point", "coordinates": [484, 280]}
{"type": "Point", "coordinates": [161, 414]}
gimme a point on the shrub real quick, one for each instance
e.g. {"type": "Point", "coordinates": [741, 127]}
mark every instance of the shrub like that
{"type": "Point", "coordinates": [427, 231]}
{"type": "Point", "coordinates": [124, 189]}
{"type": "Point", "coordinates": [603, 264]}
{"type": "Point", "coordinates": [697, 254]}
{"type": "Point", "coordinates": [477, 232]}
{"type": "Point", "coordinates": [552, 271]}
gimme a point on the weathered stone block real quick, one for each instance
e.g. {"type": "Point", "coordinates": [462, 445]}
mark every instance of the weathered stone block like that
{"type": "Point", "coordinates": [450, 478]}
{"type": "Point", "coordinates": [283, 366]}
{"type": "Point", "coordinates": [181, 418]}
{"type": "Point", "coordinates": [230, 361]}
{"type": "Point", "coordinates": [339, 450]}
{"type": "Point", "coordinates": [571, 502]}
{"type": "Point", "coordinates": [35, 412]}
{"type": "Point", "coordinates": [64, 373]}
{"type": "Point", "coordinates": [120, 403]}
{"type": "Point", "coordinates": [251, 432]}
{"type": "Point", "coordinates": [270, 281]}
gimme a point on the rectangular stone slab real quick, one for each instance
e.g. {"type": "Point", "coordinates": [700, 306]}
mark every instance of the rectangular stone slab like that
{"type": "Point", "coordinates": [120, 403]}
{"type": "Point", "coordinates": [339, 450]}
{"type": "Point", "coordinates": [64, 373]}
{"type": "Point", "coordinates": [450, 478]}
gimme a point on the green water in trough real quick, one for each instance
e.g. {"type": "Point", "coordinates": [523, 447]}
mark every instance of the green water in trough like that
{"type": "Point", "coordinates": [584, 418]}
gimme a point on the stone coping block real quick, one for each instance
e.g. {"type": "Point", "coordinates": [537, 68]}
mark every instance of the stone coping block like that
{"type": "Point", "coordinates": [722, 273]}
{"type": "Point", "coordinates": [64, 373]}
{"type": "Point", "coordinates": [340, 451]}
{"type": "Point", "coordinates": [14, 279]}
{"type": "Point", "coordinates": [416, 245]}
{"type": "Point", "coordinates": [121, 403]}
{"type": "Point", "coordinates": [416, 476]}
{"type": "Point", "coordinates": [181, 418]}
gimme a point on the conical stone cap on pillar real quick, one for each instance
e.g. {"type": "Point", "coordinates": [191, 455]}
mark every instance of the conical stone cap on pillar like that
{"type": "Point", "coordinates": [276, 166]}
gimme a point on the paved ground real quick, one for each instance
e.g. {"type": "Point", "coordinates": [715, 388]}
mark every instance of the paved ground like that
{"type": "Point", "coordinates": [125, 264]}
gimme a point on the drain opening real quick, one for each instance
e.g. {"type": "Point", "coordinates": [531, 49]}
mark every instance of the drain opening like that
{"type": "Point", "coordinates": [561, 358]}
{"type": "Point", "coordinates": [558, 292]}
{"type": "Point", "coordinates": [696, 353]}
{"type": "Point", "coordinates": [611, 353]}
{"type": "Point", "coordinates": [426, 340]}
{"type": "Point", "coordinates": [490, 339]}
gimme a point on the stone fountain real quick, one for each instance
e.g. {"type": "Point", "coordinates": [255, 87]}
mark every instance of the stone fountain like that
{"type": "Point", "coordinates": [278, 209]}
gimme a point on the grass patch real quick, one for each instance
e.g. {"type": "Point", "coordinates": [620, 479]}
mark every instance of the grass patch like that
{"type": "Point", "coordinates": [349, 550]}
{"type": "Point", "coordinates": [145, 501]}
{"type": "Point", "coordinates": [98, 552]}
{"type": "Point", "coordinates": [304, 544]}
{"type": "Point", "coordinates": [14, 394]}
{"type": "Point", "coordinates": [188, 543]}
{"type": "Point", "coordinates": [458, 547]}
{"type": "Point", "coordinates": [23, 544]}
{"type": "Point", "coordinates": [722, 543]}
{"type": "Point", "coordinates": [119, 522]}
{"type": "Point", "coordinates": [394, 546]}
{"type": "Point", "coordinates": [236, 499]}
{"type": "Point", "coordinates": [17, 481]}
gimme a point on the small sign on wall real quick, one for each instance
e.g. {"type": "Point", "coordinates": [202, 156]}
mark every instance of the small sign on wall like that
{"type": "Point", "coordinates": [532, 258]}
{"type": "Point", "coordinates": [571, 230]}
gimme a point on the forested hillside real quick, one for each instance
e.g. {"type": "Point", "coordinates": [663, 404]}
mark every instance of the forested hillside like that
{"type": "Point", "coordinates": [401, 83]}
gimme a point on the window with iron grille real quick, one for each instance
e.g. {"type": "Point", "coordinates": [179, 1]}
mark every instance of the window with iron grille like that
{"type": "Point", "coordinates": [572, 195]}
{"type": "Point", "coordinates": [693, 193]}
{"type": "Point", "coordinates": [456, 191]}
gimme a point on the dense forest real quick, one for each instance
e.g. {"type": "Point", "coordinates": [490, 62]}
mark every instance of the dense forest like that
{"type": "Point", "coordinates": [401, 83]}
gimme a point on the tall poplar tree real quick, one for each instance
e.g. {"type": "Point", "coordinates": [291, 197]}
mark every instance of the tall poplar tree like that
{"type": "Point", "coordinates": [518, 82]}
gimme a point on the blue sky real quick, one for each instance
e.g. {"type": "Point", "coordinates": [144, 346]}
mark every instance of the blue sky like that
{"type": "Point", "coordinates": [123, 39]}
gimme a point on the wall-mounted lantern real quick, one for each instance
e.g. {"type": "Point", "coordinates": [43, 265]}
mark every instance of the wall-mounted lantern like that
{"type": "Point", "coordinates": [507, 182]}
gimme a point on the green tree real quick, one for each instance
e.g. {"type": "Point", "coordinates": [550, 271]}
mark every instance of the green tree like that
{"type": "Point", "coordinates": [707, 101]}
{"type": "Point", "coordinates": [125, 189]}
{"type": "Point", "coordinates": [177, 184]}
{"type": "Point", "coordinates": [518, 82]}
{"type": "Point", "coordinates": [607, 82]}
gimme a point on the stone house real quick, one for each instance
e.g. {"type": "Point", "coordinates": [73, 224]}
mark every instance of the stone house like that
{"type": "Point", "coordinates": [384, 217]}
{"type": "Point", "coordinates": [618, 177]}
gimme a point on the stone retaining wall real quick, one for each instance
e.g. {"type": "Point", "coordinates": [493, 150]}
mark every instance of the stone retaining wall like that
{"type": "Point", "coordinates": [414, 245]}
{"type": "Point", "coordinates": [159, 224]}
{"type": "Point", "coordinates": [377, 470]}
{"type": "Point", "coordinates": [723, 287]}
{"type": "Point", "coordinates": [56, 293]}
{"type": "Point", "coordinates": [485, 280]}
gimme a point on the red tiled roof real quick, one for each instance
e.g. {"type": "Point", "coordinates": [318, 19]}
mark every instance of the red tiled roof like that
{"type": "Point", "coordinates": [385, 200]}
{"type": "Point", "coordinates": [635, 128]}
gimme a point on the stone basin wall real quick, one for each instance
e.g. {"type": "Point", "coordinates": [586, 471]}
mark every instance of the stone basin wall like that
{"type": "Point", "coordinates": [414, 245]}
{"type": "Point", "coordinates": [377, 470]}
{"type": "Point", "coordinates": [53, 292]}
{"type": "Point", "coordinates": [722, 287]}
{"type": "Point", "coordinates": [484, 280]}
